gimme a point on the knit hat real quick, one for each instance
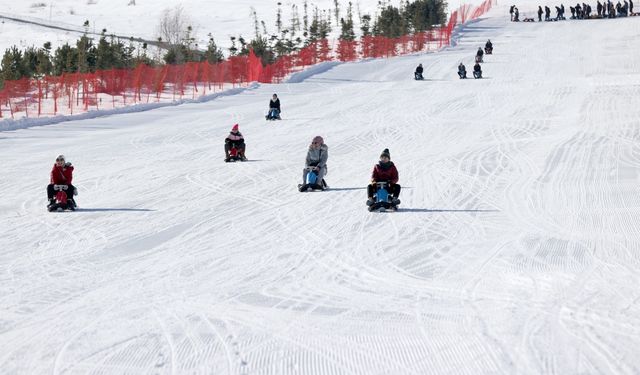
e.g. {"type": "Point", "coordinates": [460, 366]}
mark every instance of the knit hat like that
{"type": "Point", "coordinates": [318, 139]}
{"type": "Point", "coordinates": [60, 157]}
{"type": "Point", "coordinates": [385, 153]}
{"type": "Point", "coordinates": [234, 128]}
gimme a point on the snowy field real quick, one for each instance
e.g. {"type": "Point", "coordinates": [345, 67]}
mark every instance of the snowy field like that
{"type": "Point", "coordinates": [516, 249]}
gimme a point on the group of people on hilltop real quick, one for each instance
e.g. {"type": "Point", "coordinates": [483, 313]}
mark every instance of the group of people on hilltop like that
{"type": "Point", "coordinates": [606, 9]}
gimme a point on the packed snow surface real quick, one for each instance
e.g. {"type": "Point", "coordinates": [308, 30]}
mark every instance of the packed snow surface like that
{"type": "Point", "coordinates": [516, 249]}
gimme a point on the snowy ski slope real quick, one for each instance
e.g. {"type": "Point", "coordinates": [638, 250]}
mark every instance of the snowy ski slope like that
{"type": "Point", "coordinates": [516, 249]}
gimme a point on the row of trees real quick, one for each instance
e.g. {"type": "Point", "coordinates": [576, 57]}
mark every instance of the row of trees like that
{"type": "Point", "coordinates": [388, 21]}
{"type": "Point", "coordinates": [176, 43]}
{"type": "Point", "coordinates": [85, 56]}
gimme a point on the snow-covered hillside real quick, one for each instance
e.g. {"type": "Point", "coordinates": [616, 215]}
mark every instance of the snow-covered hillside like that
{"type": "Point", "coordinates": [516, 249]}
{"type": "Point", "coordinates": [221, 18]}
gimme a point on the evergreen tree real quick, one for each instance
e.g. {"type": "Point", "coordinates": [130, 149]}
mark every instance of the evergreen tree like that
{"type": "Point", "coordinates": [12, 64]}
{"type": "Point", "coordinates": [213, 54]}
{"type": "Point", "coordinates": [65, 60]}
{"type": "Point", "coordinates": [346, 26]}
{"type": "Point", "coordinates": [390, 23]}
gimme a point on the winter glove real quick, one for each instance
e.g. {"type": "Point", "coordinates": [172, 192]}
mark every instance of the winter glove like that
{"type": "Point", "coordinates": [68, 164]}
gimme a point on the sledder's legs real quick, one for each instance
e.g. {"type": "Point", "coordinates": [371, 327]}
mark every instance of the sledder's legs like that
{"type": "Point", "coordinates": [321, 173]}
{"type": "Point", "coordinates": [394, 190]}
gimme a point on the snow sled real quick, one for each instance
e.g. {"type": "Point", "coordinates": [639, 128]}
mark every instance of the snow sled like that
{"type": "Point", "coordinates": [235, 155]}
{"type": "Point", "coordinates": [418, 76]}
{"type": "Point", "coordinates": [382, 200]}
{"type": "Point", "coordinates": [477, 74]}
{"type": "Point", "coordinates": [273, 114]}
{"type": "Point", "coordinates": [311, 181]}
{"type": "Point", "coordinates": [479, 59]}
{"type": "Point", "coordinates": [62, 201]}
{"type": "Point", "coordinates": [488, 51]}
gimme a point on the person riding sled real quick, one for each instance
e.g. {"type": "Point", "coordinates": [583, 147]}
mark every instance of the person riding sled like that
{"type": "Point", "coordinates": [418, 73]}
{"type": "Point", "coordinates": [477, 71]}
{"type": "Point", "coordinates": [316, 164]}
{"type": "Point", "coordinates": [462, 71]}
{"type": "Point", "coordinates": [234, 146]}
{"type": "Point", "coordinates": [488, 47]}
{"type": "Point", "coordinates": [61, 175]}
{"type": "Point", "coordinates": [274, 108]}
{"type": "Point", "coordinates": [479, 54]}
{"type": "Point", "coordinates": [385, 171]}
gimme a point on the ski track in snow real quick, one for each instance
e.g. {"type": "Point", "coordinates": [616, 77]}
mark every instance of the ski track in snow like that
{"type": "Point", "coordinates": [515, 250]}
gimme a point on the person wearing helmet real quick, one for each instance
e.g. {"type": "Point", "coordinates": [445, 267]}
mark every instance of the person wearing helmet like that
{"type": "Point", "coordinates": [316, 162]}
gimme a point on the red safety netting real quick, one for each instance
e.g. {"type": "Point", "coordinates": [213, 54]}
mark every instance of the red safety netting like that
{"type": "Point", "coordinates": [76, 92]}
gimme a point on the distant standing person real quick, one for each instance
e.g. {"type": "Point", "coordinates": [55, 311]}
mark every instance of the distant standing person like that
{"type": "Point", "coordinates": [540, 13]}
{"type": "Point", "coordinates": [511, 12]}
{"type": "Point", "coordinates": [274, 108]}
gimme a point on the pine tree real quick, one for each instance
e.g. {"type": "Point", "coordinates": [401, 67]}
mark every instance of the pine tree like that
{"type": "Point", "coordinates": [346, 26]}
{"type": "Point", "coordinates": [213, 54]}
{"type": "Point", "coordinates": [12, 64]}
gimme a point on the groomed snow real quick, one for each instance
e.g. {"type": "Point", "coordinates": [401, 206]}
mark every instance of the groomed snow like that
{"type": "Point", "coordinates": [515, 250]}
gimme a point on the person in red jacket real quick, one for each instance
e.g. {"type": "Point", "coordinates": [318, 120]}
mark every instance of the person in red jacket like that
{"type": "Point", "coordinates": [234, 139]}
{"type": "Point", "coordinates": [384, 171]}
{"type": "Point", "coordinates": [61, 174]}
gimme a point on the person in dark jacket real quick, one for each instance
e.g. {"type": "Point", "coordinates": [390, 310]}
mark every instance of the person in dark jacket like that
{"type": "Point", "coordinates": [477, 71]}
{"type": "Point", "coordinates": [316, 161]}
{"type": "Point", "coordinates": [599, 9]}
{"type": "Point", "coordinates": [479, 54]}
{"type": "Point", "coordinates": [384, 171]}
{"type": "Point", "coordinates": [630, 7]}
{"type": "Point", "coordinates": [547, 13]}
{"type": "Point", "coordinates": [274, 108]}
{"type": "Point", "coordinates": [488, 47]}
{"type": "Point", "coordinates": [462, 71]}
{"type": "Point", "coordinates": [61, 174]}
{"type": "Point", "coordinates": [540, 13]}
{"type": "Point", "coordinates": [235, 139]}
{"type": "Point", "coordinates": [418, 73]}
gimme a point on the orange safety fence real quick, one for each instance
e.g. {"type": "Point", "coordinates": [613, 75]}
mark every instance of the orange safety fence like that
{"type": "Point", "coordinates": [71, 93]}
